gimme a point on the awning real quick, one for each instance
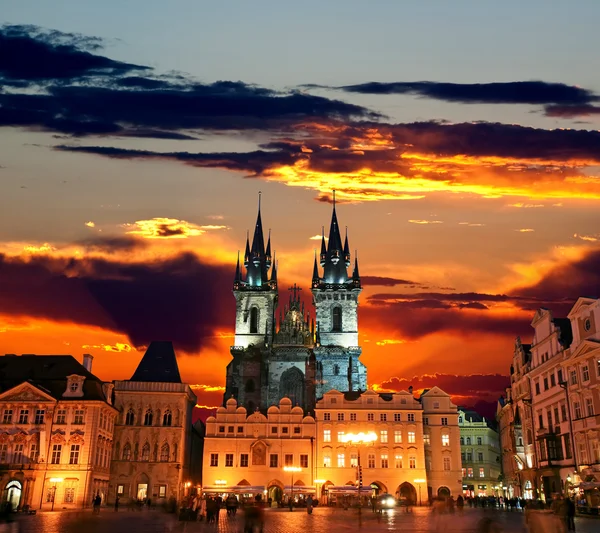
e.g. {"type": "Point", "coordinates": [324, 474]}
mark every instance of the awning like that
{"type": "Point", "coordinates": [348, 489]}
{"type": "Point", "coordinates": [235, 489]}
{"type": "Point", "coordinates": [300, 489]}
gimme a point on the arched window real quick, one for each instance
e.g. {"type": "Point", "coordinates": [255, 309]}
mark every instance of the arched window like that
{"type": "Point", "coordinates": [130, 418]}
{"type": "Point", "coordinates": [167, 418]}
{"type": "Point", "coordinates": [336, 319]}
{"type": "Point", "coordinates": [520, 441]}
{"type": "Point", "coordinates": [146, 452]}
{"type": "Point", "coordinates": [249, 387]}
{"type": "Point", "coordinates": [336, 370]}
{"type": "Point", "coordinates": [468, 440]}
{"type": "Point", "coordinates": [127, 452]}
{"type": "Point", "coordinates": [462, 441]}
{"type": "Point", "coordinates": [164, 453]}
{"type": "Point", "coordinates": [148, 418]}
{"type": "Point", "coordinates": [254, 320]}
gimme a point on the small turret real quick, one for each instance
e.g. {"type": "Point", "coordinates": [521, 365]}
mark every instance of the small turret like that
{"type": "Point", "coordinates": [346, 250]}
{"type": "Point", "coordinates": [237, 281]}
{"type": "Point", "coordinates": [355, 273]}
{"type": "Point", "coordinates": [268, 252]}
{"type": "Point", "coordinates": [315, 276]}
{"type": "Point", "coordinates": [274, 270]}
{"type": "Point", "coordinates": [247, 252]}
{"type": "Point", "coordinates": [323, 257]}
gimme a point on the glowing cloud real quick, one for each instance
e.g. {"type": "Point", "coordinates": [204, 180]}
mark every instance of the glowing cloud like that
{"type": "Point", "coordinates": [168, 228]}
{"type": "Point", "coordinates": [117, 347]}
{"type": "Point", "coordinates": [385, 342]}
{"type": "Point", "coordinates": [526, 206]}
{"type": "Point", "coordinates": [90, 224]}
{"type": "Point", "coordinates": [525, 230]}
{"type": "Point", "coordinates": [589, 238]}
{"type": "Point", "coordinates": [413, 221]}
{"type": "Point", "coordinates": [318, 238]}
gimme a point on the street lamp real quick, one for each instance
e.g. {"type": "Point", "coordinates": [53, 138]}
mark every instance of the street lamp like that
{"type": "Point", "coordinates": [292, 469]}
{"type": "Point", "coordinates": [54, 480]}
{"type": "Point", "coordinates": [359, 438]}
{"type": "Point", "coordinates": [418, 482]}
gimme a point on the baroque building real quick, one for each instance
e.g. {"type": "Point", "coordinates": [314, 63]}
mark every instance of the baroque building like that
{"type": "Point", "coordinates": [416, 453]}
{"type": "Point", "coordinates": [480, 455]}
{"type": "Point", "coordinates": [560, 421]}
{"type": "Point", "coordinates": [299, 357]}
{"type": "Point", "coordinates": [57, 432]}
{"type": "Point", "coordinates": [157, 450]}
{"type": "Point", "coordinates": [246, 453]}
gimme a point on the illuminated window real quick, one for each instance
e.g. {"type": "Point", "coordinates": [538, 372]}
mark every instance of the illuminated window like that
{"type": "Point", "coordinates": [426, 439]}
{"type": "Point", "coordinates": [78, 416]}
{"type": "Point", "coordinates": [341, 461]}
{"type": "Point", "coordinates": [411, 437]}
{"type": "Point", "coordinates": [446, 463]}
{"type": "Point", "coordinates": [445, 440]}
{"type": "Point", "coordinates": [482, 472]}
{"type": "Point", "coordinates": [412, 462]}
{"type": "Point", "coordinates": [384, 460]}
{"type": "Point", "coordinates": [469, 472]}
{"type": "Point", "coordinates": [340, 436]}
{"type": "Point", "coordinates": [327, 461]}
{"type": "Point", "coordinates": [353, 460]}
{"type": "Point", "coordinates": [384, 436]}
{"type": "Point", "coordinates": [398, 436]}
{"type": "Point", "coordinates": [162, 491]}
{"type": "Point", "coordinates": [74, 457]}
{"type": "Point", "coordinates": [326, 435]}
{"type": "Point", "coordinates": [464, 472]}
{"type": "Point", "coordinates": [398, 461]}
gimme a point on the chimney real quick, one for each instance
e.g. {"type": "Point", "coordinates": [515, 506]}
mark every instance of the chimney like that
{"type": "Point", "coordinates": [410, 389]}
{"type": "Point", "coordinates": [87, 361]}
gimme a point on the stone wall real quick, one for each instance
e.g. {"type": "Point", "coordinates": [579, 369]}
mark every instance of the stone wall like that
{"type": "Point", "coordinates": [265, 302]}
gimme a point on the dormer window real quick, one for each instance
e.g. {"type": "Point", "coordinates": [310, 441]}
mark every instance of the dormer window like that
{"type": "Point", "coordinates": [587, 324]}
{"type": "Point", "coordinates": [74, 386]}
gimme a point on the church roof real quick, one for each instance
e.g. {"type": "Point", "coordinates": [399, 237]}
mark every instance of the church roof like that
{"type": "Point", "coordinates": [159, 364]}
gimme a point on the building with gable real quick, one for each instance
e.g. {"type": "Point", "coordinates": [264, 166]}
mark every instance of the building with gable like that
{"type": "Point", "coordinates": [157, 451]}
{"type": "Point", "coordinates": [56, 437]}
{"type": "Point", "coordinates": [557, 420]}
{"type": "Point", "coordinates": [245, 454]}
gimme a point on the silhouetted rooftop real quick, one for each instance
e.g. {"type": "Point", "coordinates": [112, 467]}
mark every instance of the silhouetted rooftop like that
{"type": "Point", "coordinates": [159, 364]}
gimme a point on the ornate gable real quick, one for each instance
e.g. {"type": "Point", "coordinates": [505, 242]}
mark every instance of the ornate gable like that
{"type": "Point", "coordinates": [26, 392]}
{"type": "Point", "coordinates": [580, 305]}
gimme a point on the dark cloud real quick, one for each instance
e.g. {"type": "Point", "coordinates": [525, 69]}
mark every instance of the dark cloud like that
{"type": "Point", "coordinates": [514, 92]}
{"type": "Point", "coordinates": [181, 299]}
{"type": "Point", "coordinates": [32, 54]}
{"type": "Point", "coordinates": [112, 244]}
{"type": "Point", "coordinates": [571, 111]}
{"type": "Point", "coordinates": [78, 92]}
{"type": "Point", "coordinates": [385, 281]}
{"type": "Point", "coordinates": [476, 391]}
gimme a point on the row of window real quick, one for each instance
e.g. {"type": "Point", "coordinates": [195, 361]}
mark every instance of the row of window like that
{"type": "Point", "coordinates": [384, 461]}
{"type": "Point", "coordinates": [468, 472]}
{"type": "Point", "coordinates": [164, 455]}
{"type": "Point", "coordinates": [68, 493]}
{"type": "Point", "coordinates": [167, 418]}
{"type": "Point", "coordinates": [288, 460]}
{"type": "Point", "coordinates": [384, 438]}
{"type": "Point", "coordinates": [57, 450]}
{"type": "Point", "coordinates": [38, 416]}
{"type": "Point", "coordinates": [383, 417]}
{"type": "Point", "coordinates": [552, 379]}
{"type": "Point", "coordinates": [274, 430]}
{"type": "Point", "coordinates": [467, 441]}
{"type": "Point", "coordinates": [468, 457]}
{"type": "Point", "coordinates": [18, 455]}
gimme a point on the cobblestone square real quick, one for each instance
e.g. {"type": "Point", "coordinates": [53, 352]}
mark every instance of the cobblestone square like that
{"type": "Point", "coordinates": [324, 520]}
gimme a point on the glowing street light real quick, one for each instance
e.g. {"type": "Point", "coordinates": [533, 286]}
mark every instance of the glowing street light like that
{"type": "Point", "coordinates": [359, 438]}
{"type": "Point", "coordinates": [55, 480]}
{"type": "Point", "coordinates": [220, 482]}
{"type": "Point", "coordinates": [292, 469]}
{"type": "Point", "coordinates": [418, 482]}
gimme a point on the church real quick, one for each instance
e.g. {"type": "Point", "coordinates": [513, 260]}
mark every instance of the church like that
{"type": "Point", "coordinates": [297, 356]}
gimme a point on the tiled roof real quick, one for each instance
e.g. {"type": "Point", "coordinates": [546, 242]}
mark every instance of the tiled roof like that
{"type": "Point", "coordinates": [49, 372]}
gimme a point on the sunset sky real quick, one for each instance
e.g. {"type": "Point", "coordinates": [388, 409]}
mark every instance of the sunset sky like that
{"type": "Point", "coordinates": [461, 139]}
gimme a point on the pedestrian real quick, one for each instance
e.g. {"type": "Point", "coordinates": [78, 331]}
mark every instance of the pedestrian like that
{"type": "Point", "coordinates": [96, 503]}
{"type": "Point", "coordinates": [570, 514]}
{"type": "Point", "coordinates": [117, 503]}
{"type": "Point", "coordinates": [309, 504]}
{"type": "Point", "coordinates": [460, 504]}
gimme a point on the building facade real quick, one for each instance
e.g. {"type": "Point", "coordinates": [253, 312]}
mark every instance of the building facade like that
{"type": "Point", "coordinates": [480, 455]}
{"type": "Point", "coordinates": [416, 453]}
{"type": "Point", "coordinates": [57, 432]}
{"type": "Point", "coordinates": [562, 418]}
{"type": "Point", "coordinates": [246, 454]}
{"type": "Point", "coordinates": [157, 451]}
{"type": "Point", "coordinates": [302, 356]}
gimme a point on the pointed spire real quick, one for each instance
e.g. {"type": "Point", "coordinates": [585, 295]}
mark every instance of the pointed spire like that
{"type": "Point", "coordinates": [347, 250]}
{"type": "Point", "coordinates": [315, 276]}
{"type": "Point", "coordinates": [323, 257]}
{"type": "Point", "coordinates": [355, 273]}
{"type": "Point", "coordinates": [274, 270]}
{"type": "Point", "coordinates": [268, 252]}
{"type": "Point", "coordinates": [335, 269]}
{"type": "Point", "coordinates": [247, 252]}
{"type": "Point", "coordinates": [238, 273]}
{"type": "Point", "coordinates": [258, 262]}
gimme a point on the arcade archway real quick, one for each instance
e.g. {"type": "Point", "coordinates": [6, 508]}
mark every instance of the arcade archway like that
{"type": "Point", "coordinates": [13, 490]}
{"type": "Point", "coordinates": [443, 492]}
{"type": "Point", "coordinates": [407, 493]}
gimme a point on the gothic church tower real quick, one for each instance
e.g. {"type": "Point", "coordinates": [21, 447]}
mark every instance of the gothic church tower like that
{"type": "Point", "coordinates": [256, 300]}
{"type": "Point", "coordinates": [335, 295]}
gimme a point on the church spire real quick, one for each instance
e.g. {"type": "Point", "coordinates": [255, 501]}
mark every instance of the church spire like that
{"type": "Point", "coordinates": [259, 263]}
{"type": "Point", "coordinates": [238, 273]}
{"type": "Point", "coordinates": [323, 257]}
{"type": "Point", "coordinates": [346, 250]}
{"type": "Point", "coordinates": [315, 277]}
{"type": "Point", "coordinates": [274, 270]}
{"type": "Point", "coordinates": [335, 265]}
{"type": "Point", "coordinates": [247, 252]}
{"type": "Point", "coordinates": [268, 252]}
{"type": "Point", "coordinates": [355, 273]}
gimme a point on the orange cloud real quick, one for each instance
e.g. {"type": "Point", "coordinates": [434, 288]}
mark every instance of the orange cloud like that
{"type": "Point", "coordinates": [169, 228]}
